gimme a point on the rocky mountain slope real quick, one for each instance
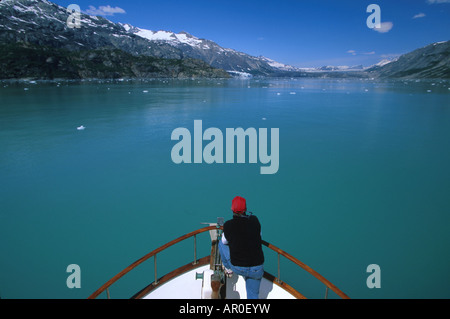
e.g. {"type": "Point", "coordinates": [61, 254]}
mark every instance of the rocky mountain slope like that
{"type": "Point", "coordinates": [37, 62]}
{"type": "Point", "coordinates": [43, 23]}
{"type": "Point", "coordinates": [34, 32]}
{"type": "Point", "coordinates": [36, 42]}
{"type": "Point", "coordinates": [431, 61]}
{"type": "Point", "coordinates": [208, 51]}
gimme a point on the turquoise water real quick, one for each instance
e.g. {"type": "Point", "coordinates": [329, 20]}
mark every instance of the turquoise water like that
{"type": "Point", "coordinates": [364, 178]}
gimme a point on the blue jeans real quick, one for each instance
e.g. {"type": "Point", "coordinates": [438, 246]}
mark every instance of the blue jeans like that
{"type": "Point", "coordinates": [252, 275]}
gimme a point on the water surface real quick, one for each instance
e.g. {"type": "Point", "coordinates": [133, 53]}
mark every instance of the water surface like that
{"type": "Point", "coordinates": [364, 179]}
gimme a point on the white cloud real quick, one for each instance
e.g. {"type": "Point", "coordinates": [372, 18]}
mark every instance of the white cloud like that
{"type": "Point", "coordinates": [419, 15]}
{"type": "Point", "coordinates": [385, 27]}
{"type": "Point", "coordinates": [353, 52]}
{"type": "Point", "coordinates": [104, 10]}
{"type": "Point", "coordinates": [391, 55]}
{"type": "Point", "coordinates": [438, 1]}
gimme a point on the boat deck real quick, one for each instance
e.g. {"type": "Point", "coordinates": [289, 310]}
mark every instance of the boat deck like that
{"type": "Point", "coordinates": [193, 288]}
{"type": "Point", "coordinates": [193, 280]}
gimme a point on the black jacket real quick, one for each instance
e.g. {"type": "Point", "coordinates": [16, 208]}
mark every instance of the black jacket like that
{"type": "Point", "coordinates": [243, 234]}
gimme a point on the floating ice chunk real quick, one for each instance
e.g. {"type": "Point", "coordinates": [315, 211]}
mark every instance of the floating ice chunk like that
{"type": "Point", "coordinates": [25, 89]}
{"type": "Point", "coordinates": [429, 91]}
{"type": "Point", "coordinates": [278, 93]}
{"type": "Point", "coordinates": [145, 91]}
{"type": "Point", "coordinates": [292, 93]}
{"type": "Point", "coordinates": [80, 128]}
{"type": "Point", "coordinates": [264, 119]}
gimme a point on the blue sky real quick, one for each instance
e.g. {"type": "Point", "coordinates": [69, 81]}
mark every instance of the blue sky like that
{"type": "Point", "coordinates": [303, 33]}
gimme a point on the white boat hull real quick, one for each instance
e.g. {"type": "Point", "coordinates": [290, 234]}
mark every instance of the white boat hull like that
{"type": "Point", "coordinates": [186, 286]}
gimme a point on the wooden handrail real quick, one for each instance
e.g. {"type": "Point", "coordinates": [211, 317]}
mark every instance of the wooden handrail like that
{"type": "Point", "coordinates": [144, 258]}
{"type": "Point", "coordinates": [307, 268]}
{"type": "Point", "coordinates": [208, 228]}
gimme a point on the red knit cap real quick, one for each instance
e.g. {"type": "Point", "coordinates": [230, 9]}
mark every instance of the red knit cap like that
{"type": "Point", "coordinates": [239, 205]}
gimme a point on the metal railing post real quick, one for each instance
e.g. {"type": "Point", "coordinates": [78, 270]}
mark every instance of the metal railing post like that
{"type": "Point", "coordinates": [278, 278]}
{"type": "Point", "coordinates": [156, 276]}
{"type": "Point", "coordinates": [195, 250]}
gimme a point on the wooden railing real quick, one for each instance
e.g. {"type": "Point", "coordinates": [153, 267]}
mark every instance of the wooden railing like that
{"type": "Point", "coordinates": [327, 283]}
{"type": "Point", "coordinates": [204, 260]}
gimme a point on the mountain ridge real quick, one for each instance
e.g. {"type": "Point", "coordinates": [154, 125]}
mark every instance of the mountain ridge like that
{"type": "Point", "coordinates": [41, 22]}
{"type": "Point", "coordinates": [35, 24]}
{"type": "Point", "coordinates": [430, 61]}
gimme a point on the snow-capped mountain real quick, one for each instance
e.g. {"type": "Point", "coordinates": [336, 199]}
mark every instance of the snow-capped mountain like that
{"type": "Point", "coordinates": [41, 22]}
{"type": "Point", "coordinates": [383, 62]}
{"type": "Point", "coordinates": [341, 68]}
{"type": "Point", "coordinates": [166, 36]}
{"type": "Point", "coordinates": [346, 68]}
{"type": "Point", "coordinates": [42, 25]}
{"type": "Point", "coordinates": [35, 41]}
{"type": "Point", "coordinates": [208, 51]}
{"type": "Point", "coordinates": [279, 66]}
